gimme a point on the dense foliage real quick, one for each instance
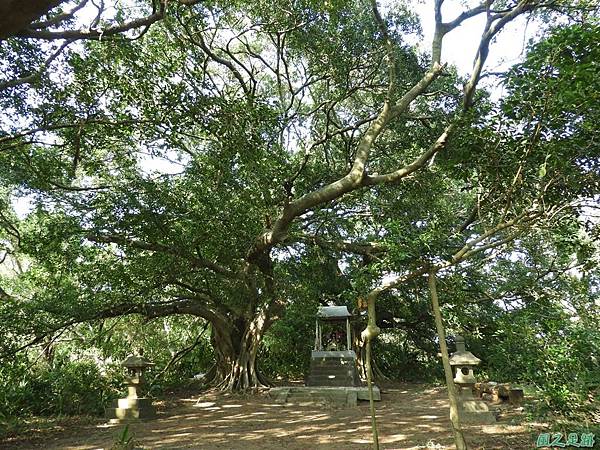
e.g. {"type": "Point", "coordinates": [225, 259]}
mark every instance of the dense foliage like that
{"type": "Point", "coordinates": [200, 190]}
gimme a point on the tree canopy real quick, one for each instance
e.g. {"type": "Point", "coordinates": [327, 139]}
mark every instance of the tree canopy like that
{"type": "Point", "coordinates": [235, 161]}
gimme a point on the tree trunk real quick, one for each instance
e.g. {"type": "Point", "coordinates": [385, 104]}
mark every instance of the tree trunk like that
{"type": "Point", "coordinates": [361, 360]}
{"type": "Point", "coordinates": [18, 14]}
{"type": "Point", "coordinates": [236, 346]}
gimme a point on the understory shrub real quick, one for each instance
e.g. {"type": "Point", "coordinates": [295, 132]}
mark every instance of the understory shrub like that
{"type": "Point", "coordinates": [67, 387]}
{"type": "Point", "coordinates": [561, 361]}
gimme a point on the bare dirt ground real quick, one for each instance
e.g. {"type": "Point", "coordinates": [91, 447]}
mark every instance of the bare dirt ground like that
{"type": "Point", "coordinates": [410, 416]}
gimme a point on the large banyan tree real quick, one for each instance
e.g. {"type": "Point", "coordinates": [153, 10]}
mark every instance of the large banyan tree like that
{"type": "Point", "coordinates": [190, 164]}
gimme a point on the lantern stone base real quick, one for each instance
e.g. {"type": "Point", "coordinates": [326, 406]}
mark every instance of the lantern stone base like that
{"type": "Point", "coordinates": [473, 410]}
{"type": "Point", "coordinates": [130, 410]}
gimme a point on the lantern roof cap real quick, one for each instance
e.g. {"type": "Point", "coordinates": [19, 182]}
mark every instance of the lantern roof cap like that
{"type": "Point", "coordinates": [462, 357]}
{"type": "Point", "coordinates": [333, 312]}
{"type": "Point", "coordinates": [136, 362]}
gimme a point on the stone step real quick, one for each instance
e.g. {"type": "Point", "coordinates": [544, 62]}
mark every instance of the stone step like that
{"type": "Point", "coordinates": [333, 366]}
{"type": "Point", "coordinates": [331, 383]}
{"type": "Point", "coordinates": [116, 414]}
{"type": "Point", "coordinates": [335, 395]}
{"type": "Point", "coordinates": [332, 373]}
{"type": "Point", "coordinates": [331, 369]}
{"type": "Point", "coordinates": [315, 391]}
{"type": "Point", "coordinates": [333, 363]}
{"type": "Point", "coordinates": [326, 372]}
{"type": "Point", "coordinates": [330, 398]}
{"type": "Point", "coordinates": [315, 397]}
{"type": "Point", "coordinates": [347, 369]}
{"type": "Point", "coordinates": [333, 358]}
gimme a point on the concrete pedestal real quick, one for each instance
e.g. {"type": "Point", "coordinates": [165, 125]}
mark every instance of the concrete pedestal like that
{"type": "Point", "coordinates": [473, 410]}
{"type": "Point", "coordinates": [333, 368]}
{"type": "Point", "coordinates": [130, 410]}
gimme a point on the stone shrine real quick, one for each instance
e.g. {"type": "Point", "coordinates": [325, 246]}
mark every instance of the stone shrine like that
{"type": "Point", "coordinates": [334, 365]}
{"type": "Point", "coordinates": [333, 378]}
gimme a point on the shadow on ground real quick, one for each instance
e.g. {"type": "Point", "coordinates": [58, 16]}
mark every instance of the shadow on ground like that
{"type": "Point", "coordinates": [409, 417]}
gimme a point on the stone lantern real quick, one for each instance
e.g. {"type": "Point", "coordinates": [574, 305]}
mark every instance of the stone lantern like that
{"type": "Point", "coordinates": [463, 362]}
{"type": "Point", "coordinates": [133, 407]}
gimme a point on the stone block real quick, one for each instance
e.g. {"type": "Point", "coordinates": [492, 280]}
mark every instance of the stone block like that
{"type": "Point", "coordinates": [132, 403]}
{"type": "Point", "coordinates": [132, 414]}
{"type": "Point", "coordinates": [516, 396]}
{"type": "Point", "coordinates": [351, 398]}
{"type": "Point", "coordinates": [323, 395]}
{"type": "Point", "coordinates": [472, 410]}
{"type": "Point", "coordinates": [363, 393]}
{"type": "Point", "coordinates": [474, 406]}
{"type": "Point", "coordinates": [130, 410]}
{"type": "Point", "coordinates": [479, 418]}
{"type": "Point", "coordinates": [280, 395]}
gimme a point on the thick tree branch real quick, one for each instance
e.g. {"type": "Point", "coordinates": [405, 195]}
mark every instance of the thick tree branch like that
{"type": "Point", "coordinates": [417, 164]}
{"type": "Point", "coordinates": [366, 248]}
{"type": "Point", "coordinates": [442, 28]}
{"type": "Point", "coordinates": [100, 34]}
{"type": "Point", "coordinates": [58, 18]}
{"type": "Point", "coordinates": [493, 26]}
{"type": "Point", "coordinates": [389, 45]}
{"type": "Point", "coordinates": [405, 101]}
{"type": "Point", "coordinates": [194, 306]}
{"type": "Point", "coordinates": [356, 177]}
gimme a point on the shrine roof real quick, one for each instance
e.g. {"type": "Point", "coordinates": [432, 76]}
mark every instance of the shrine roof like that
{"type": "Point", "coordinates": [333, 312]}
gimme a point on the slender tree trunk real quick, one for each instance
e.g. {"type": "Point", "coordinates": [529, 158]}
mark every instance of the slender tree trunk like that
{"type": "Point", "coordinates": [236, 347]}
{"type": "Point", "coordinates": [368, 334]}
{"type": "Point", "coordinates": [459, 438]}
{"type": "Point", "coordinates": [374, 431]}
